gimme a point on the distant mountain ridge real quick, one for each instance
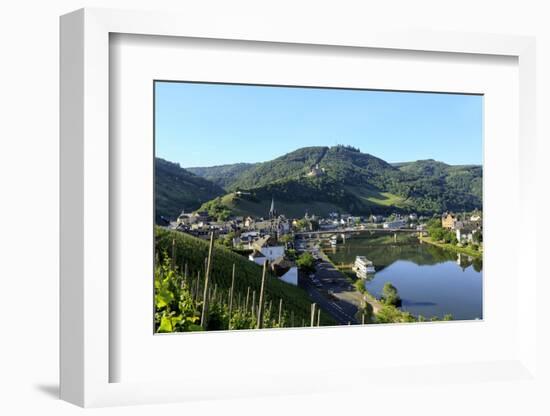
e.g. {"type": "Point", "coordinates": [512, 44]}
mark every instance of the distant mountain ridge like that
{"type": "Point", "coordinates": [340, 178]}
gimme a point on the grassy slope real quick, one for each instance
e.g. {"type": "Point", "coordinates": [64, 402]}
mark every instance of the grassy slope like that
{"type": "Point", "coordinates": [370, 198]}
{"type": "Point", "coordinates": [373, 197]}
{"type": "Point", "coordinates": [240, 206]}
{"type": "Point", "coordinates": [193, 251]}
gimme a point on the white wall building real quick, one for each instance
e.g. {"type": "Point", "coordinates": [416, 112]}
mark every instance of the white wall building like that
{"type": "Point", "coordinates": [291, 277]}
{"type": "Point", "coordinates": [392, 225]}
{"type": "Point", "coordinates": [257, 258]}
{"type": "Point", "coordinates": [273, 252]}
{"type": "Point", "coordinates": [465, 234]}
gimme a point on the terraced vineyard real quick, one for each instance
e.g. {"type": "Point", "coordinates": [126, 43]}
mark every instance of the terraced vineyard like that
{"type": "Point", "coordinates": [233, 303]}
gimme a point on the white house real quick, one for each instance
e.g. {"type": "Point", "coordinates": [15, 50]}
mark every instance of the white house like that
{"type": "Point", "coordinates": [393, 225]}
{"type": "Point", "coordinates": [272, 253]}
{"type": "Point", "coordinates": [291, 277]}
{"type": "Point", "coordinates": [353, 220]}
{"type": "Point", "coordinates": [257, 258]}
{"type": "Point", "coordinates": [249, 236]}
{"type": "Point", "coordinates": [262, 225]}
{"type": "Point", "coordinates": [286, 270]}
{"type": "Point", "coordinates": [465, 234]}
{"type": "Point", "coordinates": [376, 218]}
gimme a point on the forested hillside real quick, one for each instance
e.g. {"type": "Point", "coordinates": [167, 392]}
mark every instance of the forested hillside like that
{"type": "Point", "coordinates": [223, 175]}
{"type": "Point", "coordinates": [326, 179]}
{"type": "Point", "coordinates": [176, 189]}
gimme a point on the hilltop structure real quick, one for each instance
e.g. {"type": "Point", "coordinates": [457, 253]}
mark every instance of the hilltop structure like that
{"type": "Point", "coordinates": [316, 171]}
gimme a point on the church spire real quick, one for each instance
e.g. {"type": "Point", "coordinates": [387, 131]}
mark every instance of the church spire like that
{"type": "Point", "coordinates": [272, 212]}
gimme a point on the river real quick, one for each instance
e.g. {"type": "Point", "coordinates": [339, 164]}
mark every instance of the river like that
{"type": "Point", "coordinates": [431, 281]}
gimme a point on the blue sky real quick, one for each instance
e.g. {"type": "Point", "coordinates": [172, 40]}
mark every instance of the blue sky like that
{"type": "Point", "coordinates": [214, 124]}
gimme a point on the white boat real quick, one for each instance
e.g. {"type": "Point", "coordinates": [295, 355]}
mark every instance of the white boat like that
{"type": "Point", "coordinates": [363, 266]}
{"type": "Point", "coordinates": [333, 241]}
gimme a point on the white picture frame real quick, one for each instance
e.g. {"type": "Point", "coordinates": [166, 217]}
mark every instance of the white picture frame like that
{"type": "Point", "coordinates": [86, 353]}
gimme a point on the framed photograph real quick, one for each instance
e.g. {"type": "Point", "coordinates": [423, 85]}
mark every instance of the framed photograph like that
{"type": "Point", "coordinates": [227, 198]}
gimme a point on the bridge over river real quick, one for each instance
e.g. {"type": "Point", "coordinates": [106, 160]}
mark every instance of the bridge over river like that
{"type": "Point", "coordinates": [320, 234]}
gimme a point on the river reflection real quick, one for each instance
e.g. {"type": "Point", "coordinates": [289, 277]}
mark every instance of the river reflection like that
{"type": "Point", "coordinates": [431, 281]}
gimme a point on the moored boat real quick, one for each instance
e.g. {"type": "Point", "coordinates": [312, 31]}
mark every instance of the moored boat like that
{"type": "Point", "coordinates": [363, 266]}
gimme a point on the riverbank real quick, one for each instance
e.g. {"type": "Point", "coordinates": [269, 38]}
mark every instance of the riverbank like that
{"type": "Point", "coordinates": [452, 247]}
{"type": "Point", "coordinates": [371, 299]}
{"type": "Point", "coordinates": [358, 297]}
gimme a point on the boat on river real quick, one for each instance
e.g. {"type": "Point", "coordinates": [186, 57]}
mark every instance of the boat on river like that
{"type": "Point", "coordinates": [333, 241]}
{"type": "Point", "coordinates": [363, 267]}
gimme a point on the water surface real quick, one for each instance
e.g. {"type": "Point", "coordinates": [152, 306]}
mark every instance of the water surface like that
{"type": "Point", "coordinates": [430, 280]}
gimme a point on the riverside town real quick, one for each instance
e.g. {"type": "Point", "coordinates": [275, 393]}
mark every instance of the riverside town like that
{"type": "Point", "coordinates": [253, 231]}
{"type": "Point", "coordinates": [302, 252]}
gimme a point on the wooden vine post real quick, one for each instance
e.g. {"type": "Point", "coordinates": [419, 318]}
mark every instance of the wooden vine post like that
{"type": "Point", "coordinates": [197, 286]}
{"type": "Point", "coordinates": [173, 265]}
{"type": "Point", "coordinates": [261, 301]}
{"type": "Point", "coordinates": [231, 295]}
{"type": "Point", "coordinates": [185, 271]}
{"type": "Point", "coordinates": [206, 278]}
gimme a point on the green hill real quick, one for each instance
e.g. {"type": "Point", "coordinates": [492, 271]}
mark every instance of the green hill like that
{"type": "Point", "coordinates": [436, 186]}
{"type": "Point", "coordinates": [223, 175]}
{"type": "Point", "coordinates": [347, 180]}
{"type": "Point", "coordinates": [176, 189]}
{"type": "Point", "coordinates": [293, 165]}
{"type": "Point", "coordinates": [343, 179]}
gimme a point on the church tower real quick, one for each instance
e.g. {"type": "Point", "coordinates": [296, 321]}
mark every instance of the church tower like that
{"type": "Point", "coordinates": [272, 211]}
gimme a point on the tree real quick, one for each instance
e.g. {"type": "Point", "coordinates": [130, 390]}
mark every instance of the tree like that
{"type": "Point", "coordinates": [449, 237]}
{"type": "Point", "coordinates": [390, 295]}
{"type": "Point", "coordinates": [368, 312]}
{"type": "Point", "coordinates": [306, 262]}
{"type": "Point", "coordinates": [477, 237]}
{"type": "Point", "coordinates": [291, 254]}
{"type": "Point", "coordinates": [287, 238]}
{"type": "Point", "coordinates": [390, 314]}
{"type": "Point", "coordinates": [227, 240]}
{"type": "Point", "coordinates": [437, 233]}
{"type": "Point", "coordinates": [360, 285]}
{"type": "Point", "coordinates": [434, 223]}
{"type": "Point", "coordinates": [302, 224]}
